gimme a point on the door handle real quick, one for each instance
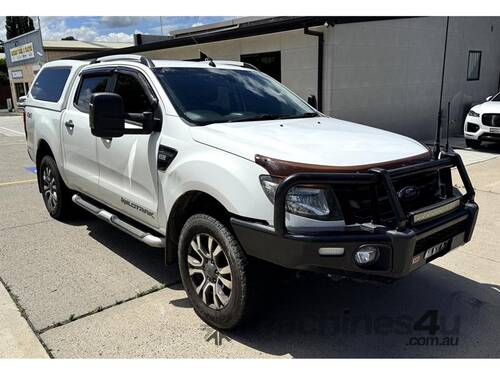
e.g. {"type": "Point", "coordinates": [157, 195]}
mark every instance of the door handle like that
{"type": "Point", "coordinates": [69, 124]}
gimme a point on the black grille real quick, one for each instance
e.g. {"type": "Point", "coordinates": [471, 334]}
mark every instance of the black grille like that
{"type": "Point", "coordinates": [436, 238]}
{"type": "Point", "coordinates": [369, 203]}
{"type": "Point", "coordinates": [491, 119]}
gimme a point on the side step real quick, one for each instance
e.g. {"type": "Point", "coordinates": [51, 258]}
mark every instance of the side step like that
{"type": "Point", "coordinates": [112, 219]}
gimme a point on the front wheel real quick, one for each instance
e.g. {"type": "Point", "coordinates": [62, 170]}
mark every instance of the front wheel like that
{"type": "Point", "coordinates": [215, 272]}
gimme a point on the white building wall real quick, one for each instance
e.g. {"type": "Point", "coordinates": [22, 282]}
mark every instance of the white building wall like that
{"type": "Point", "coordinates": [298, 55]}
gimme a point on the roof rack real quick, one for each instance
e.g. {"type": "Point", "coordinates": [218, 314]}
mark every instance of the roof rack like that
{"type": "Point", "coordinates": [136, 58]}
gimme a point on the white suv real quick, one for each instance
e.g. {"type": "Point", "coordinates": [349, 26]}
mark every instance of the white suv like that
{"type": "Point", "coordinates": [483, 122]}
{"type": "Point", "coordinates": [221, 165]}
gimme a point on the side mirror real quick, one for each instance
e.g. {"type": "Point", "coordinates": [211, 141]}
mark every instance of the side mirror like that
{"type": "Point", "coordinates": [489, 98]}
{"type": "Point", "coordinates": [106, 115]}
{"type": "Point", "coordinates": [311, 100]}
{"type": "Point", "coordinates": [22, 101]}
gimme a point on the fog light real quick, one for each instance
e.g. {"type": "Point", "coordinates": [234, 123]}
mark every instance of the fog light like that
{"type": "Point", "coordinates": [366, 254]}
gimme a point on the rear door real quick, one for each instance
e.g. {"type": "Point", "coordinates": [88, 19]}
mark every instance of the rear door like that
{"type": "Point", "coordinates": [128, 179]}
{"type": "Point", "coordinates": [79, 145]}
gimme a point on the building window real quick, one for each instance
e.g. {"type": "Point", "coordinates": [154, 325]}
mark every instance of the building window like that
{"type": "Point", "coordinates": [268, 62]}
{"type": "Point", "coordinates": [20, 89]}
{"type": "Point", "coordinates": [474, 65]}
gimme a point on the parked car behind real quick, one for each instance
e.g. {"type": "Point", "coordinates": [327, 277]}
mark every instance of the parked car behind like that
{"type": "Point", "coordinates": [482, 123]}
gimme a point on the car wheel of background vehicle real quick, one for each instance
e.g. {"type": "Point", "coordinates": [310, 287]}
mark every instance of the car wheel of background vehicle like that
{"type": "Point", "coordinates": [56, 196]}
{"type": "Point", "coordinates": [472, 143]}
{"type": "Point", "coordinates": [215, 272]}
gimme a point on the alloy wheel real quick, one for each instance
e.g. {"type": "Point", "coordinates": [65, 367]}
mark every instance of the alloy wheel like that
{"type": "Point", "coordinates": [49, 188]}
{"type": "Point", "coordinates": [210, 271]}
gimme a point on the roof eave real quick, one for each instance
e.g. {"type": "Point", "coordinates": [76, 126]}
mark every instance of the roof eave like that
{"type": "Point", "coordinates": [252, 29]}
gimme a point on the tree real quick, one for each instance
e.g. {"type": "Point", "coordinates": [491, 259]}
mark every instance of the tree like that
{"type": "Point", "coordinates": [4, 76]}
{"type": "Point", "coordinates": [16, 26]}
{"type": "Point", "coordinates": [68, 38]}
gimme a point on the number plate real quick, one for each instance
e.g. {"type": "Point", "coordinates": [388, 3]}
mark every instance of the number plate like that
{"type": "Point", "coordinates": [435, 249]}
{"type": "Point", "coordinates": [495, 130]}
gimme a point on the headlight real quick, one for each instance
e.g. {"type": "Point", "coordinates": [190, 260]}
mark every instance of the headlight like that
{"type": "Point", "coordinates": [473, 114]}
{"type": "Point", "coordinates": [315, 202]}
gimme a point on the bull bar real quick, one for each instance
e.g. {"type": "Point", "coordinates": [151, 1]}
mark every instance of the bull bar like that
{"type": "Point", "coordinates": [401, 246]}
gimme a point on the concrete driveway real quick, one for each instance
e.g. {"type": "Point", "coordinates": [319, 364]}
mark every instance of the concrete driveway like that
{"type": "Point", "coordinates": [88, 290]}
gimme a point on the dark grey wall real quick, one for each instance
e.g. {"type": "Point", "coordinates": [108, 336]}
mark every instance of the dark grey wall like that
{"type": "Point", "coordinates": [388, 73]}
{"type": "Point", "coordinates": [465, 34]}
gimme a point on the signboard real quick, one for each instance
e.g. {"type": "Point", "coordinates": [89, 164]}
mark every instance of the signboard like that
{"type": "Point", "coordinates": [16, 74]}
{"type": "Point", "coordinates": [26, 49]}
{"type": "Point", "coordinates": [23, 52]}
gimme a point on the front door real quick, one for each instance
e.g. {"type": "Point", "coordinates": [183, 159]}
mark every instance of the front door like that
{"type": "Point", "coordinates": [128, 177]}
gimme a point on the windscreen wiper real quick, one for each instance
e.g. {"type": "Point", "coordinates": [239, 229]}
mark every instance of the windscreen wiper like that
{"type": "Point", "coordinates": [310, 114]}
{"type": "Point", "coordinates": [269, 116]}
{"type": "Point", "coordinates": [257, 118]}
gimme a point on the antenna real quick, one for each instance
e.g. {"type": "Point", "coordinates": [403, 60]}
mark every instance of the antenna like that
{"type": "Point", "coordinates": [203, 55]}
{"type": "Point", "coordinates": [447, 147]}
{"type": "Point", "coordinates": [437, 140]}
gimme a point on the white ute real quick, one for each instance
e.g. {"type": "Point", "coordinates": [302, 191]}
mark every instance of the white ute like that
{"type": "Point", "coordinates": [221, 166]}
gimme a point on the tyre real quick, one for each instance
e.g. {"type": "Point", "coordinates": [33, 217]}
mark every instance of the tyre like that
{"type": "Point", "coordinates": [215, 272]}
{"type": "Point", "coordinates": [56, 196]}
{"type": "Point", "coordinates": [472, 143]}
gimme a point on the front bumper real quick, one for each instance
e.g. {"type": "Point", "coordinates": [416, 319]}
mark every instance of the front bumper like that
{"type": "Point", "coordinates": [402, 248]}
{"type": "Point", "coordinates": [474, 129]}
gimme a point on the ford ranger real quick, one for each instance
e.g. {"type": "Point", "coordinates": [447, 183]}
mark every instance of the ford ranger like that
{"type": "Point", "coordinates": [219, 165]}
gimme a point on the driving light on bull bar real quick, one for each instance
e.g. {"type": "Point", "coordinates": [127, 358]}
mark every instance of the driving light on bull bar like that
{"type": "Point", "coordinates": [424, 215]}
{"type": "Point", "coordinates": [366, 255]}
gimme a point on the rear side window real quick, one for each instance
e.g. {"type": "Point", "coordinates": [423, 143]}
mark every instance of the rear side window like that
{"type": "Point", "coordinates": [89, 86]}
{"type": "Point", "coordinates": [50, 83]}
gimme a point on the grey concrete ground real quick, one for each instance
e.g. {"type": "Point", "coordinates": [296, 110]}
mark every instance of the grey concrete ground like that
{"type": "Point", "coordinates": [16, 336]}
{"type": "Point", "coordinates": [87, 290]}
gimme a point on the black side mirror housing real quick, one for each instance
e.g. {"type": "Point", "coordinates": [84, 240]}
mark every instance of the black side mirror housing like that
{"type": "Point", "coordinates": [148, 122]}
{"type": "Point", "coordinates": [312, 101]}
{"type": "Point", "coordinates": [106, 115]}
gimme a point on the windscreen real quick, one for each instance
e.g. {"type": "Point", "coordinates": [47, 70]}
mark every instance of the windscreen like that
{"type": "Point", "coordinates": [209, 95]}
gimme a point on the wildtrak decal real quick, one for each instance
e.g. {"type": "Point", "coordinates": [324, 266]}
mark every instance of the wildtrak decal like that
{"type": "Point", "coordinates": [135, 206]}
